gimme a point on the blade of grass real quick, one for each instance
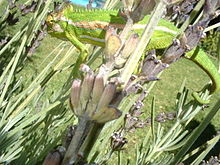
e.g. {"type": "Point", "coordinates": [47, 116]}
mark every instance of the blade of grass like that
{"type": "Point", "coordinates": [196, 133]}
{"type": "Point", "coordinates": [152, 119]}
{"type": "Point", "coordinates": [211, 144]}
{"type": "Point", "coordinates": [145, 38]}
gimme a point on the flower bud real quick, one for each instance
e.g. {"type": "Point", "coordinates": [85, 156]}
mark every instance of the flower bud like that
{"type": "Point", "coordinates": [97, 91]}
{"type": "Point", "coordinates": [130, 46]}
{"type": "Point", "coordinates": [106, 114]}
{"type": "Point", "coordinates": [52, 159]}
{"type": "Point", "coordinates": [110, 31]}
{"type": "Point", "coordinates": [86, 90]}
{"type": "Point", "coordinates": [107, 95]}
{"type": "Point", "coordinates": [131, 4]}
{"type": "Point", "coordinates": [112, 44]}
{"type": "Point", "coordinates": [55, 157]}
{"type": "Point", "coordinates": [119, 62]}
{"type": "Point", "coordinates": [75, 96]}
{"type": "Point", "coordinates": [128, 49]}
{"type": "Point", "coordinates": [98, 88]}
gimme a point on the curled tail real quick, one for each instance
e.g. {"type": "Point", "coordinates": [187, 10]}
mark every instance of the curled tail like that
{"type": "Point", "coordinates": [202, 60]}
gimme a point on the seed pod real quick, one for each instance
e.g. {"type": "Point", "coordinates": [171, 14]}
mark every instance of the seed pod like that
{"type": "Point", "coordinates": [112, 44]}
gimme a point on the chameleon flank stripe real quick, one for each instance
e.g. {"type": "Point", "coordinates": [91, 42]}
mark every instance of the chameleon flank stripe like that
{"type": "Point", "coordinates": [100, 25]}
{"type": "Point", "coordinates": [89, 26]}
{"type": "Point", "coordinates": [103, 26]}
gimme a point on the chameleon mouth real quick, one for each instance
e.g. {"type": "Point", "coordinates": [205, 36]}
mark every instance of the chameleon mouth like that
{"type": "Point", "coordinates": [50, 30]}
{"type": "Point", "coordinates": [57, 28]}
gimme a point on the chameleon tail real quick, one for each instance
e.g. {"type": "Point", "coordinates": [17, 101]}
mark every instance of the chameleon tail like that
{"type": "Point", "coordinates": [196, 96]}
{"type": "Point", "coordinates": [202, 60]}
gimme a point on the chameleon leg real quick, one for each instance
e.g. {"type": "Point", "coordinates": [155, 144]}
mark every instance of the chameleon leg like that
{"type": "Point", "coordinates": [202, 60]}
{"type": "Point", "coordinates": [83, 52]}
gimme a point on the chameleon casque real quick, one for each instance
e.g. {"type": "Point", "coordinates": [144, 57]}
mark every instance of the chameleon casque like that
{"type": "Point", "coordinates": [90, 25]}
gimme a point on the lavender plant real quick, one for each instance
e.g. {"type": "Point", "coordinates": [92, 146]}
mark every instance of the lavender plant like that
{"type": "Point", "coordinates": [158, 141]}
{"type": "Point", "coordinates": [107, 101]}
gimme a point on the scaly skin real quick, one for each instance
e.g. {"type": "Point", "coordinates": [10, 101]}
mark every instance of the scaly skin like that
{"type": "Point", "coordinates": [89, 26]}
{"type": "Point", "coordinates": [202, 60]}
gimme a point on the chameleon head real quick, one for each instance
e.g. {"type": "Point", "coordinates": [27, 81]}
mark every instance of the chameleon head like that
{"type": "Point", "coordinates": [54, 25]}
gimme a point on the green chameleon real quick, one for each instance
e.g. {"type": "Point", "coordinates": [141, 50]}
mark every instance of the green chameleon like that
{"type": "Point", "coordinates": [89, 26]}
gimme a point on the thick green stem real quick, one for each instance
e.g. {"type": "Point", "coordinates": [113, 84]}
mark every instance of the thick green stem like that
{"type": "Point", "coordinates": [91, 139]}
{"type": "Point", "coordinates": [82, 141]}
{"type": "Point", "coordinates": [78, 139]}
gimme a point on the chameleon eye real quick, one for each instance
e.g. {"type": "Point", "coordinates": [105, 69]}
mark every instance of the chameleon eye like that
{"type": "Point", "coordinates": [49, 20]}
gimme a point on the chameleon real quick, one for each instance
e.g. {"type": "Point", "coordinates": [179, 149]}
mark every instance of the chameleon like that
{"type": "Point", "coordinates": [81, 26]}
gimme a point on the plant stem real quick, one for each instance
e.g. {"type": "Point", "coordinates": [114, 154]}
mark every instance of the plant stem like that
{"type": "Point", "coordinates": [148, 32]}
{"type": "Point", "coordinates": [82, 141]}
{"type": "Point", "coordinates": [155, 149]}
{"type": "Point", "coordinates": [78, 139]}
{"type": "Point", "coordinates": [218, 53]}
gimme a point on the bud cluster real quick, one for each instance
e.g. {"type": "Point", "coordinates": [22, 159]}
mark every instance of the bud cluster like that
{"type": "Point", "coordinates": [181, 11]}
{"type": "Point", "coordinates": [133, 118]}
{"type": "Point", "coordinates": [136, 9]}
{"type": "Point", "coordinates": [117, 52]}
{"type": "Point", "coordinates": [214, 160]}
{"type": "Point", "coordinates": [91, 97]}
{"type": "Point", "coordinates": [118, 141]}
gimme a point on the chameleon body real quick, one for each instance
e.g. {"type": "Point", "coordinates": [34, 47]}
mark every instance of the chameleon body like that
{"type": "Point", "coordinates": [89, 26]}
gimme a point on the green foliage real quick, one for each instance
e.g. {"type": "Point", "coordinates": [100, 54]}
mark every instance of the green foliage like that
{"type": "Point", "coordinates": [25, 115]}
{"type": "Point", "coordinates": [211, 43]}
{"type": "Point", "coordinates": [34, 112]}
